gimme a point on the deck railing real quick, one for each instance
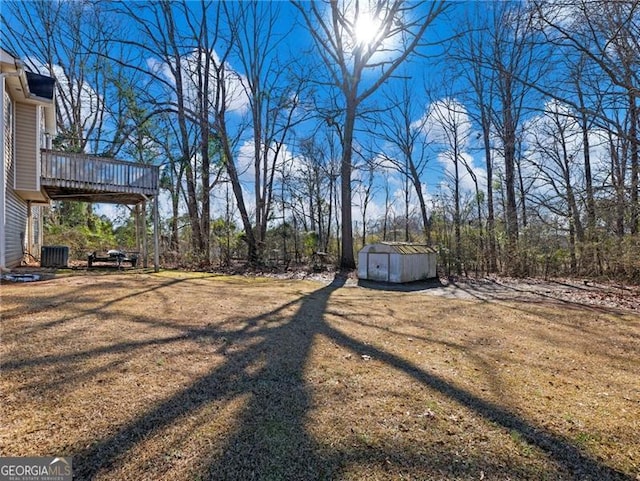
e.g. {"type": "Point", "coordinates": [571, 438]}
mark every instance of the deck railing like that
{"type": "Point", "coordinates": [81, 171]}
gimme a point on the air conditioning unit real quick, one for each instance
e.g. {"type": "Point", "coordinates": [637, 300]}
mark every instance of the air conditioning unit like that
{"type": "Point", "coordinates": [54, 256]}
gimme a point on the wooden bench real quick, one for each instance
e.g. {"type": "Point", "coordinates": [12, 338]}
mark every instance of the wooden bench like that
{"type": "Point", "coordinates": [113, 257]}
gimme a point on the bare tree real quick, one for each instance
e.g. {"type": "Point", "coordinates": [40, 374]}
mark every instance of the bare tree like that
{"type": "Point", "coordinates": [606, 35]}
{"type": "Point", "coordinates": [452, 129]}
{"type": "Point", "coordinates": [347, 52]}
{"type": "Point", "coordinates": [578, 77]}
{"type": "Point", "coordinates": [273, 96]}
{"type": "Point", "coordinates": [69, 42]}
{"type": "Point", "coordinates": [555, 141]}
{"type": "Point", "coordinates": [189, 65]}
{"type": "Point", "coordinates": [366, 191]}
{"type": "Point", "coordinates": [172, 176]}
{"type": "Point", "coordinates": [470, 50]}
{"type": "Point", "coordinates": [161, 40]}
{"type": "Point", "coordinates": [406, 136]}
{"type": "Point", "coordinates": [388, 208]}
{"type": "Point", "coordinates": [515, 61]}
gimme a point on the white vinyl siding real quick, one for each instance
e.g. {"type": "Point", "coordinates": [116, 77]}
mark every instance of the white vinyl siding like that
{"type": "Point", "coordinates": [15, 218]}
{"type": "Point", "coordinates": [27, 147]}
{"type": "Point", "coordinates": [4, 101]}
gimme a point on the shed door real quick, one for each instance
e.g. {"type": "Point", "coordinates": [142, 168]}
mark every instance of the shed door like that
{"type": "Point", "coordinates": [378, 267]}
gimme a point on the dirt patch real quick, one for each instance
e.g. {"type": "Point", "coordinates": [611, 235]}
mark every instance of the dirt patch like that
{"type": "Point", "coordinates": [200, 376]}
{"type": "Point", "coordinates": [571, 291]}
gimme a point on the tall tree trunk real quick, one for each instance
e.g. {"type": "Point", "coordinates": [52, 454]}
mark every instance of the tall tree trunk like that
{"type": "Point", "coordinates": [203, 105]}
{"type": "Point", "coordinates": [571, 198]}
{"type": "Point", "coordinates": [456, 215]}
{"type": "Point", "coordinates": [618, 166]}
{"type": "Point", "coordinates": [177, 71]}
{"type": "Point", "coordinates": [252, 251]}
{"type": "Point", "coordinates": [523, 196]}
{"type": "Point", "coordinates": [572, 244]}
{"type": "Point", "coordinates": [575, 224]}
{"type": "Point", "coordinates": [588, 177]}
{"type": "Point", "coordinates": [634, 122]}
{"type": "Point", "coordinates": [175, 235]}
{"type": "Point", "coordinates": [327, 237]}
{"type": "Point", "coordinates": [407, 237]}
{"type": "Point", "coordinates": [347, 260]}
{"type": "Point", "coordinates": [417, 184]}
{"type": "Point", "coordinates": [510, 184]}
{"type": "Point", "coordinates": [491, 230]}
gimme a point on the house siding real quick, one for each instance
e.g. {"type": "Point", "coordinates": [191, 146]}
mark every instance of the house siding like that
{"type": "Point", "coordinates": [4, 98]}
{"type": "Point", "coordinates": [15, 215]}
{"type": "Point", "coordinates": [22, 118]}
{"type": "Point", "coordinates": [17, 220]}
{"type": "Point", "coordinates": [27, 148]}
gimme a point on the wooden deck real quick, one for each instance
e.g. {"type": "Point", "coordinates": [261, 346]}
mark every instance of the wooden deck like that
{"type": "Point", "coordinates": [81, 177]}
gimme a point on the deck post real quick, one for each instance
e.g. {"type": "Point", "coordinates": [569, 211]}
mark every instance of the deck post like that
{"type": "Point", "coordinates": [136, 220]}
{"type": "Point", "coordinates": [29, 236]}
{"type": "Point", "coordinates": [156, 243]}
{"type": "Point", "coordinates": [143, 224]}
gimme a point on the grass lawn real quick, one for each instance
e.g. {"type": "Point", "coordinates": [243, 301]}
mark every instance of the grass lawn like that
{"type": "Point", "coordinates": [181, 376]}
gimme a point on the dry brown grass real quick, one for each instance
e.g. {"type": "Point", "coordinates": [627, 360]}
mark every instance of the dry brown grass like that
{"type": "Point", "coordinates": [182, 376]}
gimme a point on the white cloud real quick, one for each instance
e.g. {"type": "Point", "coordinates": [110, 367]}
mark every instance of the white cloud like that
{"type": "Point", "coordinates": [550, 136]}
{"type": "Point", "coordinates": [245, 160]}
{"type": "Point", "coordinates": [466, 167]}
{"type": "Point", "coordinates": [445, 122]}
{"type": "Point", "coordinates": [563, 14]}
{"type": "Point", "coordinates": [237, 99]}
{"type": "Point", "coordinates": [161, 69]}
{"type": "Point", "coordinates": [375, 210]}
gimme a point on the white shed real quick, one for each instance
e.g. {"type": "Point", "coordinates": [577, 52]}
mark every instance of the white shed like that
{"type": "Point", "coordinates": [396, 262]}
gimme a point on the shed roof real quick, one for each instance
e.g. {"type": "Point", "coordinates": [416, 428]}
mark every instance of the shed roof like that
{"type": "Point", "coordinates": [399, 248]}
{"type": "Point", "coordinates": [405, 248]}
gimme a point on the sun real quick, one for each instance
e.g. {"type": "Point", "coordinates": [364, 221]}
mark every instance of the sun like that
{"type": "Point", "coordinates": [366, 29]}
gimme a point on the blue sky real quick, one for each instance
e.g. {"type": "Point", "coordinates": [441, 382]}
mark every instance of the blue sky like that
{"type": "Point", "coordinates": [432, 91]}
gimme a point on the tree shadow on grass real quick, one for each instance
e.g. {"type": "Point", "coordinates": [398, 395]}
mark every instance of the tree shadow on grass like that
{"type": "Point", "coordinates": [84, 292]}
{"type": "Point", "coordinates": [494, 290]}
{"type": "Point", "coordinates": [562, 451]}
{"type": "Point", "coordinates": [273, 424]}
{"type": "Point", "coordinates": [270, 441]}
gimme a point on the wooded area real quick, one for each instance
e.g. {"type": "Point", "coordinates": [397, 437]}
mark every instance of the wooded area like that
{"type": "Point", "coordinates": [504, 134]}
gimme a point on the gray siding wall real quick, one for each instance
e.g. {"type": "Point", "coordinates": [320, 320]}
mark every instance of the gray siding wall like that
{"type": "Point", "coordinates": [15, 208]}
{"type": "Point", "coordinates": [16, 226]}
{"type": "Point", "coordinates": [27, 151]}
{"type": "Point", "coordinates": [4, 98]}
